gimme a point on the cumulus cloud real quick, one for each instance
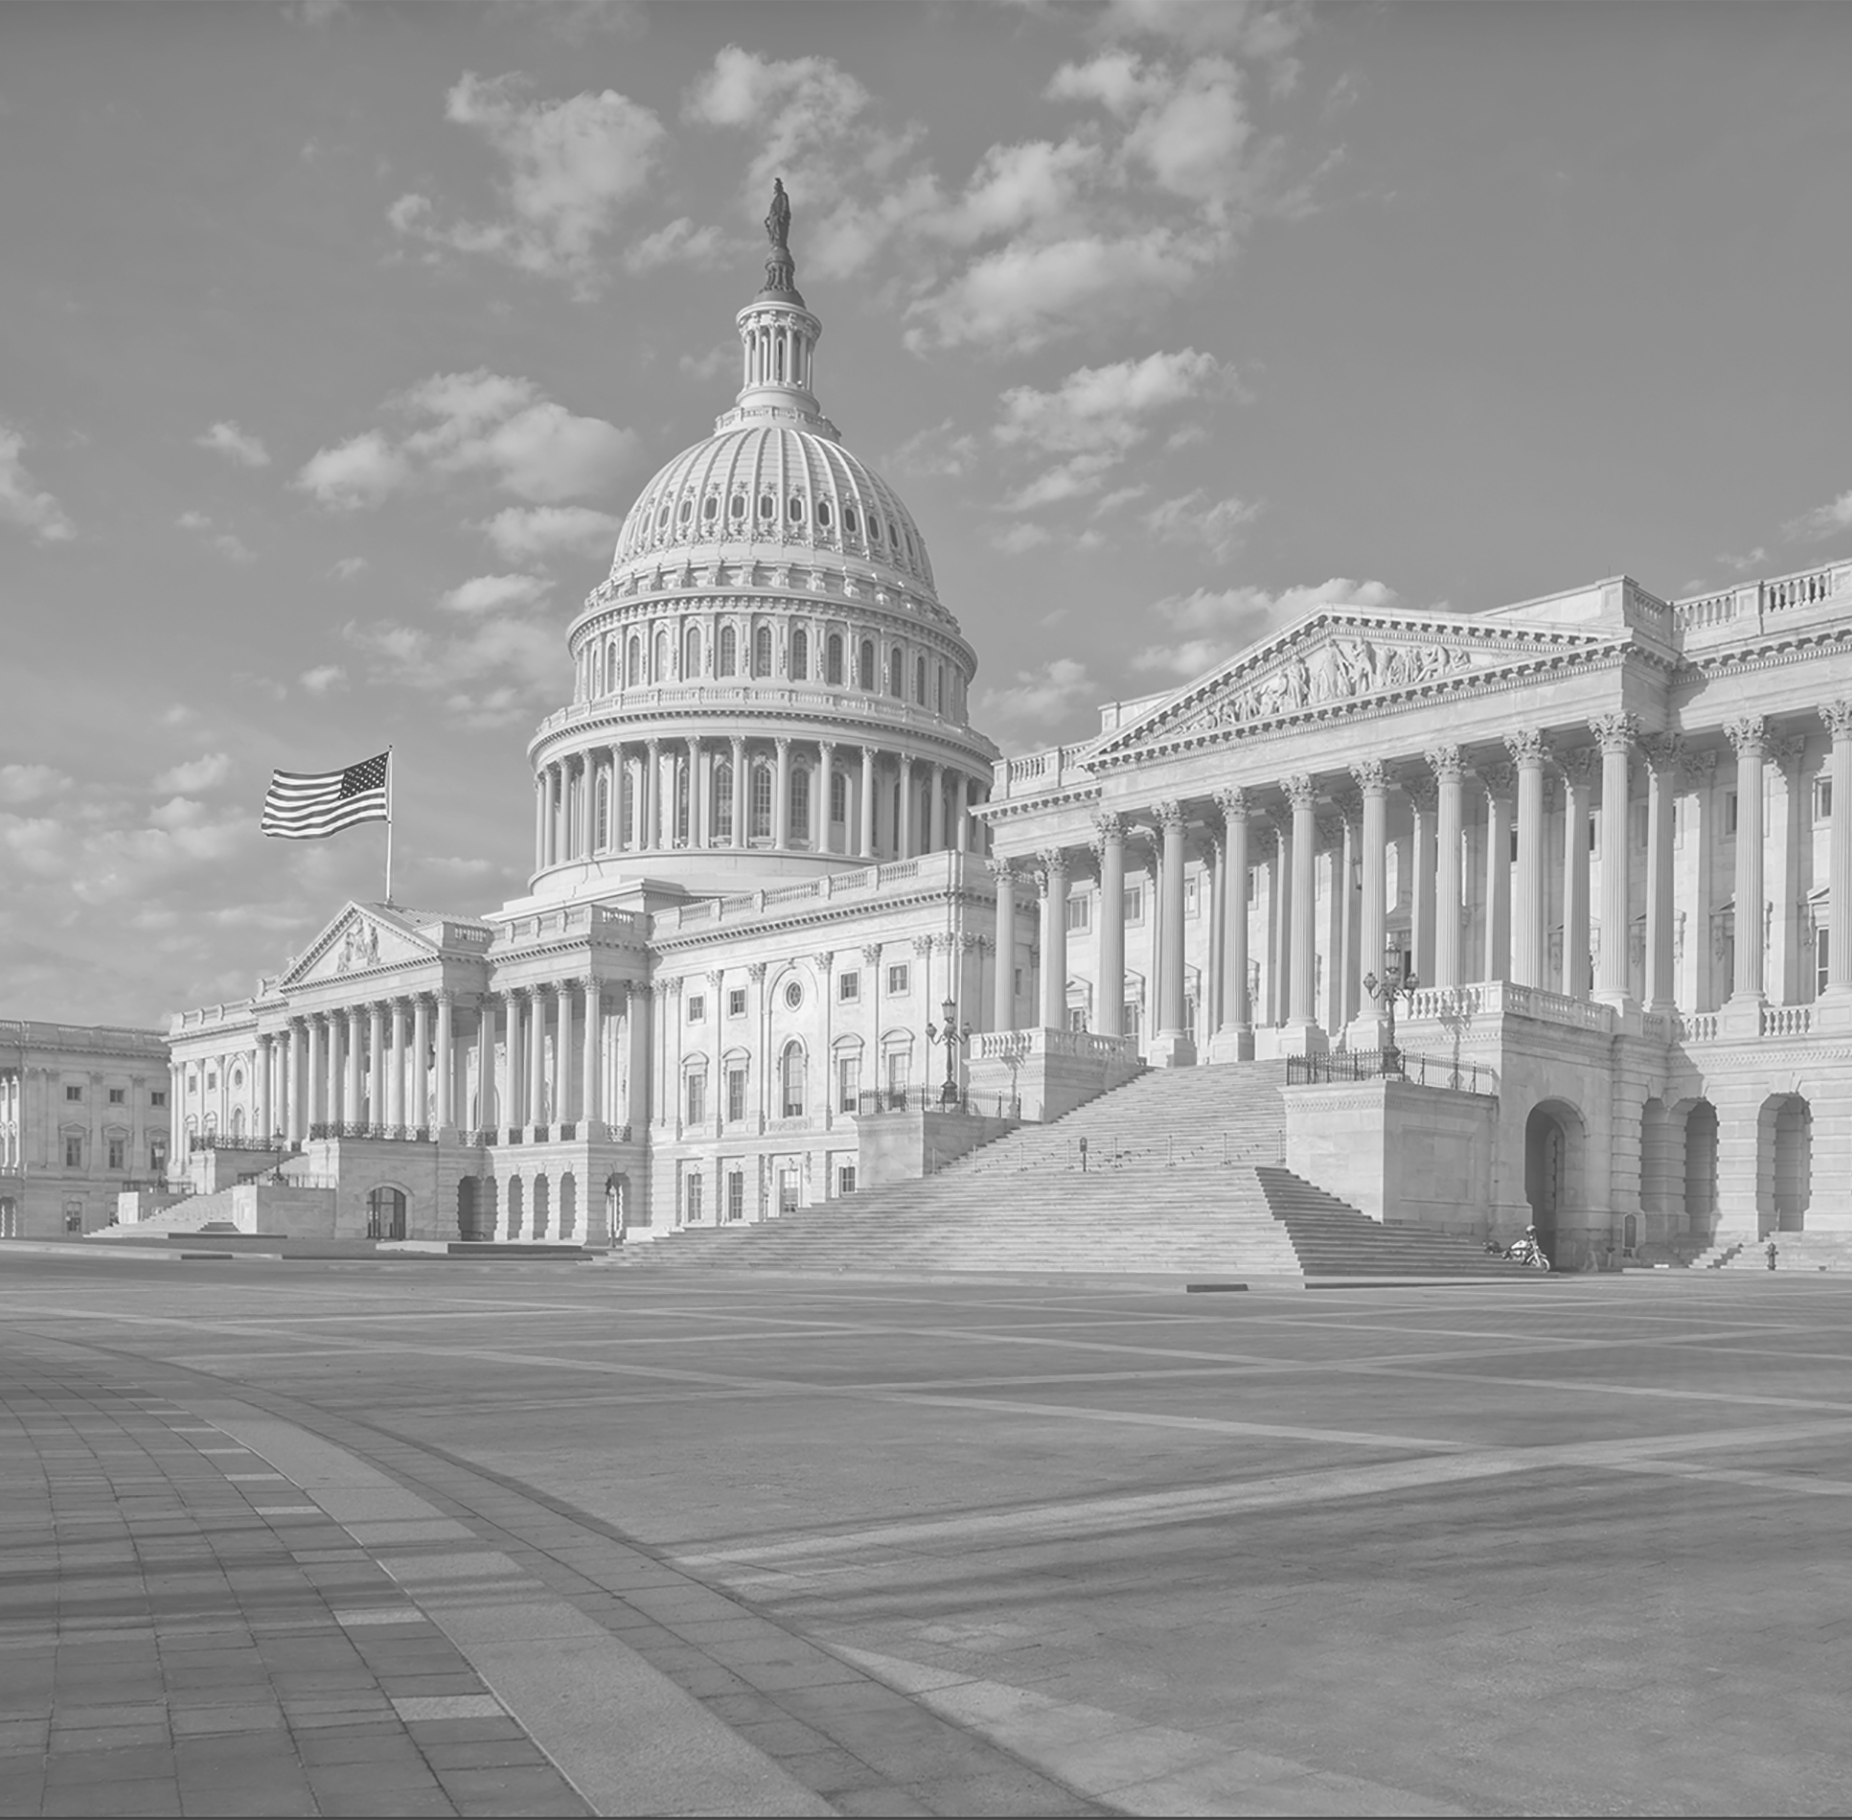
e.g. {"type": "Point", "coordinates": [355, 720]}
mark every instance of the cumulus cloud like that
{"type": "Point", "coordinates": [1022, 536]}
{"type": "Point", "coordinates": [568, 169]}
{"type": "Point", "coordinates": [348, 567]}
{"type": "Point", "coordinates": [206, 772]}
{"type": "Point", "coordinates": [481, 423]}
{"type": "Point", "coordinates": [494, 594]}
{"type": "Point", "coordinates": [1038, 705]}
{"type": "Point", "coordinates": [1265, 30]}
{"type": "Point", "coordinates": [227, 439]}
{"type": "Point", "coordinates": [492, 675]}
{"type": "Point", "coordinates": [22, 501]}
{"type": "Point", "coordinates": [323, 678]}
{"type": "Point", "coordinates": [679, 243]}
{"type": "Point", "coordinates": [30, 783]}
{"type": "Point", "coordinates": [938, 449]}
{"type": "Point", "coordinates": [1213, 624]}
{"type": "Point", "coordinates": [1193, 518]}
{"type": "Point", "coordinates": [225, 543]}
{"type": "Point", "coordinates": [1823, 521]}
{"type": "Point", "coordinates": [536, 533]}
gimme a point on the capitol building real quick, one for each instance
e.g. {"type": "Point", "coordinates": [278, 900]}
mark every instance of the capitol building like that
{"type": "Point", "coordinates": [795, 928]}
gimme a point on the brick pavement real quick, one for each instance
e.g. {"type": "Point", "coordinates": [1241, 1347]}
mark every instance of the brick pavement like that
{"type": "Point", "coordinates": [181, 1633]}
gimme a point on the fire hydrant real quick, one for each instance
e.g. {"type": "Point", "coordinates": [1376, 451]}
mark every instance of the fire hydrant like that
{"type": "Point", "coordinates": [1771, 1254]}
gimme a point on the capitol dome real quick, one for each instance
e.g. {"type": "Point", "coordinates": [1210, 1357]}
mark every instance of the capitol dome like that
{"type": "Point", "coordinates": [766, 683]}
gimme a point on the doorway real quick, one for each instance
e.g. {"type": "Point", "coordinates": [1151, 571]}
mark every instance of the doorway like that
{"type": "Point", "coordinates": [386, 1213]}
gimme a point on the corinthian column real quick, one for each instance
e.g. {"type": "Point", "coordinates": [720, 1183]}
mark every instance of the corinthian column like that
{"type": "Point", "coordinates": [1302, 1033]}
{"type": "Point", "coordinates": [1235, 1040]}
{"type": "Point", "coordinates": [1838, 718]}
{"type": "Point", "coordinates": [1615, 733]}
{"type": "Point", "coordinates": [1003, 991]}
{"type": "Point", "coordinates": [1578, 775]}
{"type": "Point", "coordinates": [1749, 735]}
{"type": "Point", "coordinates": [446, 1061]}
{"type": "Point", "coordinates": [421, 1045]}
{"type": "Point", "coordinates": [1054, 938]}
{"type": "Point", "coordinates": [1498, 781]}
{"type": "Point", "coordinates": [1423, 800]}
{"type": "Point", "coordinates": [1449, 777]}
{"type": "Point", "coordinates": [1109, 993]}
{"type": "Point", "coordinates": [395, 1066]}
{"type": "Point", "coordinates": [1529, 940]}
{"type": "Point", "coordinates": [1173, 1046]}
{"type": "Point", "coordinates": [1663, 756]}
{"type": "Point", "coordinates": [1372, 777]}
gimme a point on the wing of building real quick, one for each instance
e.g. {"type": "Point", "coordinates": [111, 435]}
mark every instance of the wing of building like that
{"type": "Point", "coordinates": [1589, 840]}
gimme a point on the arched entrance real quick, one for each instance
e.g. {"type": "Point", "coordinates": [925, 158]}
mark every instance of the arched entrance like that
{"type": "Point", "coordinates": [568, 1205]}
{"type": "Point", "coordinates": [1552, 1171]}
{"type": "Point", "coordinates": [1784, 1163]}
{"type": "Point", "coordinates": [542, 1207]}
{"type": "Point", "coordinates": [616, 1206]}
{"type": "Point", "coordinates": [476, 1209]}
{"type": "Point", "coordinates": [514, 1207]}
{"type": "Point", "coordinates": [386, 1213]}
{"type": "Point", "coordinates": [1701, 1171]}
{"type": "Point", "coordinates": [9, 1218]}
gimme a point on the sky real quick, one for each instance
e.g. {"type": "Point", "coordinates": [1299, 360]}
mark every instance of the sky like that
{"type": "Point", "coordinates": [336, 339]}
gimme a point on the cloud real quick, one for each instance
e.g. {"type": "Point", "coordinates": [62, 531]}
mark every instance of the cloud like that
{"type": "Point", "coordinates": [29, 783]}
{"type": "Point", "coordinates": [1264, 30]}
{"type": "Point", "coordinates": [1823, 521]}
{"type": "Point", "coordinates": [206, 772]}
{"type": "Point", "coordinates": [1192, 518]}
{"type": "Point", "coordinates": [709, 365]}
{"type": "Point", "coordinates": [323, 678]}
{"type": "Point", "coordinates": [475, 423]}
{"type": "Point", "coordinates": [1017, 187]}
{"type": "Point", "coordinates": [493, 593]}
{"type": "Point", "coordinates": [679, 243]}
{"type": "Point", "coordinates": [231, 547]}
{"type": "Point", "coordinates": [1221, 621]}
{"type": "Point", "coordinates": [348, 567]}
{"type": "Point", "coordinates": [535, 533]}
{"type": "Point", "coordinates": [225, 438]}
{"type": "Point", "coordinates": [938, 449]}
{"type": "Point", "coordinates": [1033, 708]}
{"type": "Point", "coordinates": [22, 501]}
{"type": "Point", "coordinates": [569, 167]}
{"type": "Point", "coordinates": [492, 675]}
{"type": "Point", "coordinates": [1022, 536]}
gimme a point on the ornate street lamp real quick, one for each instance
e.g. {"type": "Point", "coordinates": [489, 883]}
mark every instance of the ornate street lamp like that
{"type": "Point", "coordinates": [954, 1036]}
{"type": "Point", "coordinates": [1384, 992]}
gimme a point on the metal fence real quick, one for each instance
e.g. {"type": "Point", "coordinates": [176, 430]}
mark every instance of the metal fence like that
{"type": "Point", "coordinates": [1398, 1064]}
{"type": "Point", "coordinates": [933, 1099]}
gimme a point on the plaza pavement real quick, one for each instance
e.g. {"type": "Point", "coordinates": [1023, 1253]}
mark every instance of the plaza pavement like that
{"type": "Point", "coordinates": [489, 1538]}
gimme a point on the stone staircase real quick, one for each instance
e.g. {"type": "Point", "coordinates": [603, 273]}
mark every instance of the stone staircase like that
{"type": "Point", "coordinates": [1182, 1176]}
{"type": "Point", "coordinates": [1808, 1251]}
{"type": "Point", "coordinates": [188, 1215]}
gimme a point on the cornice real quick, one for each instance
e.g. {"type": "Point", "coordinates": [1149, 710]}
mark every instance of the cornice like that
{"type": "Point", "coordinates": [825, 914]}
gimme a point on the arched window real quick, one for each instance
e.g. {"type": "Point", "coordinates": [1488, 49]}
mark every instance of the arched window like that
{"type": "Point", "coordinates": [823, 513]}
{"type": "Point", "coordinates": [800, 803]}
{"type": "Point", "coordinates": [721, 818]}
{"type": "Point", "coordinates": [635, 660]}
{"type": "Point", "coordinates": [791, 1080]}
{"type": "Point", "coordinates": [762, 651]}
{"type": "Point", "coordinates": [604, 814]}
{"type": "Point", "coordinates": [849, 520]}
{"type": "Point", "coordinates": [768, 508]}
{"type": "Point", "coordinates": [736, 507]}
{"type": "Point", "coordinates": [897, 673]}
{"type": "Point", "coordinates": [610, 668]}
{"type": "Point", "coordinates": [685, 512]}
{"type": "Point", "coordinates": [868, 666]}
{"type": "Point", "coordinates": [729, 652]}
{"type": "Point", "coordinates": [941, 708]}
{"type": "Point", "coordinates": [800, 655]}
{"type": "Point", "coordinates": [691, 652]}
{"type": "Point", "coordinates": [681, 804]}
{"type": "Point", "coordinates": [919, 681]}
{"type": "Point", "coordinates": [795, 510]}
{"type": "Point", "coordinates": [839, 796]}
{"type": "Point", "coordinates": [662, 658]}
{"type": "Point", "coordinates": [710, 509]}
{"type": "Point", "coordinates": [627, 810]}
{"type": "Point", "coordinates": [832, 658]}
{"type": "Point", "coordinates": [760, 825]}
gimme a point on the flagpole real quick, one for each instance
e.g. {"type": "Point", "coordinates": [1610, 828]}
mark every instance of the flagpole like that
{"type": "Point", "coordinates": [388, 825]}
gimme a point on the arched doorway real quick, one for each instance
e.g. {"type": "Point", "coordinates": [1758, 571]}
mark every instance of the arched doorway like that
{"type": "Point", "coordinates": [1701, 1171]}
{"type": "Point", "coordinates": [386, 1213]}
{"type": "Point", "coordinates": [1552, 1170]}
{"type": "Point", "coordinates": [616, 1207]}
{"type": "Point", "coordinates": [568, 1205]}
{"type": "Point", "coordinates": [9, 1218]}
{"type": "Point", "coordinates": [514, 1207]}
{"type": "Point", "coordinates": [476, 1209]}
{"type": "Point", "coordinates": [542, 1207]}
{"type": "Point", "coordinates": [1784, 1163]}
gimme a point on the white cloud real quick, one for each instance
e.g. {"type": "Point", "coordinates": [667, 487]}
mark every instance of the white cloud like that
{"type": "Point", "coordinates": [1221, 621]}
{"type": "Point", "coordinates": [492, 675]}
{"type": "Point", "coordinates": [1193, 518]}
{"type": "Point", "coordinates": [1822, 521]}
{"type": "Point", "coordinates": [1033, 709]}
{"type": "Point", "coordinates": [228, 545]}
{"type": "Point", "coordinates": [1264, 30]}
{"type": "Point", "coordinates": [22, 501]}
{"type": "Point", "coordinates": [535, 533]}
{"type": "Point", "coordinates": [569, 167]}
{"type": "Point", "coordinates": [493, 593]}
{"type": "Point", "coordinates": [709, 365]}
{"type": "Point", "coordinates": [348, 567]}
{"type": "Point", "coordinates": [679, 243]}
{"type": "Point", "coordinates": [476, 423]}
{"type": "Point", "coordinates": [938, 449]}
{"type": "Point", "coordinates": [1120, 496]}
{"type": "Point", "coordinates": [323, 678]}
{"type": "Point", "coordinates": [1022, 536]}
{"type": "Point", "coordinates": [29, 783]}
{"type": "Point", "coordinates": [206, 772]}
{"type": "Point", "coordinates": [1037, 184]}
{"type": "Point", "coordinates": [225, 438]}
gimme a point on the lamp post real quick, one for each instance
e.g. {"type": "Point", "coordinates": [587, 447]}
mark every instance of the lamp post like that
{"type": "Point", "coordinates": [954, 1036]}
{"type": "Point", "coordinates": [1384, 992]}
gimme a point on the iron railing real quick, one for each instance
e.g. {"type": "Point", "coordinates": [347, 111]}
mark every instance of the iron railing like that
{"type": "Point", "coordinates": [211, 1140]}
{"type": "Point", "coordinates": [933, 1099]}
{"type": "Point", "coordinates": [1377, 1064]}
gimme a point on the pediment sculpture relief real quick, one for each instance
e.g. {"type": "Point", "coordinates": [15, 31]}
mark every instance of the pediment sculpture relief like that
{"type": "Point", "coordinates": [1337, 670]}
{"type": "Point", "coordinates": [359, 947]}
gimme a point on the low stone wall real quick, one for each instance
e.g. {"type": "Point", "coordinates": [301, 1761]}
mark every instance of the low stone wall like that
{"type": "Point", "coordinates": [903, 1146]}
{"type": "Point", "coordinates": [1045, 1074]}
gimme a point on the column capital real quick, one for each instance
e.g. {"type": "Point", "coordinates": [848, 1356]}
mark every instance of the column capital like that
{"type": "Point", "coordinates": [1348, 803]}
{"type": "Point", "coordinates": [1423, 792]}
{"type": "Point", "coordinates": [1233, 803]}
{"type": "Point", "coordinates": [1107, 826]}
{"type": "Point", "coordinates": [871, 953]}
{"type": "Point", "coordinates": [1001, 871]}
{"type": "Point", "coordinates": [1527, 747]}
{"type": "Point", "coordinates": [1664, 753]}
{"type": "Point", "coordinates": [1615, 732]}
{"type": "Point", "coordinates": [1446, 763]}
{"type": "Point", "coordinates": [1052, 859]}
{"type": "Point", "coordinates": [755, 971]}
{"type": "Point", "coordinates": [824, 959]}
{"type": "Point", "coordinates": [1838, 718]}
{"type": "Point", "coordinates": [1169, 814]}
{"type": "Point", "coordinates": [1301, 791]}
{"type": "Point", "coordinates": [1699, 767]}
{"type": "Point", "coordinates": [782, 743]}
{"type": "Point", "coordinates": [1499, 780]}
{"type": "Point", "coordinates": [922, 944]}
{"type": "Point", "coordinates": [1748, 733]}
{"type": "Point", "coordinates": [1581, 767]}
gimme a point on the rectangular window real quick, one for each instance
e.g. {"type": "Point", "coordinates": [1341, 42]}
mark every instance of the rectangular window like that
{"type": "Point", "coordinates": [1821, 940]}
{"type": "Point", "coordinates": [74, 1093]}
{"type": "Point", "coordinates": [848, 987]}
{"type": "Point", "coordinates": [692, 1199]}
{"type": "Point", "coordinates": [158, 1097]}
{"type": "Point", "coordinates": [1594, 829]}
{"type": "Point", "coordinates": [1513, 856]}
{"type": "Point", "coordinates": [697, 1008]}
{"type": "Point", "coordinates": [1134, 903]}
{"type": "Point", "coordinates": [736, 1095]}
{"type": "Point", "coordinates": [1128, 1020]}
{"type": "Point", "coordinates": [1822, 799]}
{"type": "Point", "coordinates": [736, 1002]}
{"type": "Point", "coordinates": [117, 1095]}
{"type": "Point", "coordinates": [845, 1179]}
{"type": "Point", "coordinates": [118, 1153]}
{"type": "Point", "coordinates": [1191, 896]}
{"type": "Point", "coordinates": [1077, 1017]}
{"type": "Point", "coordinates": [848, 1083]}
{"type": "Point", "coordinates": [1080, 911]}
{"type": "Point", "coordinates": [899, 978]}
{"type": "Point", "coordinates": [1253, 885]}
{"type": "Point", "coordinates": [736, 1194]}
{"type": "Point", "coordinates": [1729, 812]}
{"type": "Point", "coordinates": [697, 1098]}
{"type": "Point", "coordinates": [898, 1066]}
{"type": "Point", "coordinates": [73, 1153]}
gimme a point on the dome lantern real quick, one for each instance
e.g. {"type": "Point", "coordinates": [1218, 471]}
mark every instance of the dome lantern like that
{"type": "Point", "coordinates": [778, 338]}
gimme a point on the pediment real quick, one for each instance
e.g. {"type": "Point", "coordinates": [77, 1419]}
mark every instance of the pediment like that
{"type": "Point", "coordinates": [361, 939]}
{"type": "Point", "coordinates": [1333, 661]}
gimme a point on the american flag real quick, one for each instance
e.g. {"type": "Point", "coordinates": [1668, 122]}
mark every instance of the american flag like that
{"type": "Point", "coordinates": [309, 805]}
